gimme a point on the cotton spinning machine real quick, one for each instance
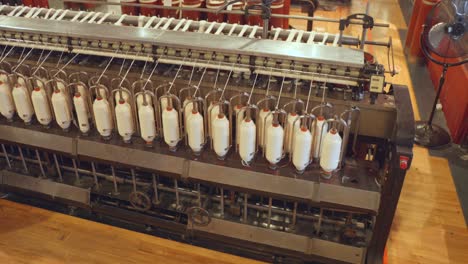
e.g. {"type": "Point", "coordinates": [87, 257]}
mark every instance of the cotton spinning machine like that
{"type": "Point", "coordinates": [290, 148]}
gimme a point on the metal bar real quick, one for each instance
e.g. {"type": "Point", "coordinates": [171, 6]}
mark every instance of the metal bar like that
{"type": "Point", "coordinates": [6, 156]}
{"type": "Point", "coordinates": [294, 215]}
{"type": "Point", "coordinates": [364, 29]}
{"type": "Point", "coordinates": [155, 187]}
{"type": "Point", "coordinates": [22, 160]}
{"type": "Point", "coordinates": [199, 195]}
{"type": "Point", "coordinates": [221, 200]}
{"type": "Point", "coordinates": [132, 171]}
{"type": "Point", "coordinates": [177, 193]}
{"type": "Point", "coordinates": [57, 166]}
{"type": "Point", "coordinates": [114, 180]}
{"type": "Point", "coordinates": [38, 156]}
{"type": "Point", "coordinates": [96, 182]}
{"type": "Point", "coordinates": [319, 224]}
{"type": "Point", "coordinates": [270, 201]}
{"type": "Point", "coordinates": [77, 175]}
{"type": "Point", "coordinates": [245, 208]}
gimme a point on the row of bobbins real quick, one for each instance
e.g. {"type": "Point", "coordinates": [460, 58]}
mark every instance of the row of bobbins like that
{"type": "Point", "coordinates": [152, 112]}
{"type": "Point", "coordinates": [277, 7]}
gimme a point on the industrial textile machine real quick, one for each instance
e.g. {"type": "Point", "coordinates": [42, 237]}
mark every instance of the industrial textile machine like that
{"type": "Point", "coordinates": [279, 145]}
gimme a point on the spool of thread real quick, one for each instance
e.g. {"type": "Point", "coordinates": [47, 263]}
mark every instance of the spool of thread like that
{"type": "Point", "coordinates": [173, 12]}
{"type": "Point", "coordinates": [129, 10]}
{"type": "Point", "coordinates": [277, 7]}
{"type": "Point", "coordinates": [255, 18]}
{"type": "Point", "coordinates": [214, 4]}
{"type": "Point", "coordinates": [147, 11]}
{"type": "Point", "coordinates": [192, 15]}
{"type": "Point", "coordinates": [233, 18]}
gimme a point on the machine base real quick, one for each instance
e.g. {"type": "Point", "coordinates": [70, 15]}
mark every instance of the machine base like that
{"type": "Point", "coordinates": [430, 135]}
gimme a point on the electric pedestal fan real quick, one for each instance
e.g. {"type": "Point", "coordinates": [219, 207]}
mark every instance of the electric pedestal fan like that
{"type": "Point", "coordinates": [443, 35]}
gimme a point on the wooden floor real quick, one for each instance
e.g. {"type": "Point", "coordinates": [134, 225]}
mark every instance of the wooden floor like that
{"type": "Point", "coordinates": [428, 227]}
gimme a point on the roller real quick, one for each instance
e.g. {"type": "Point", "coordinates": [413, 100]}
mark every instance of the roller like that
{"type": "Point", "coordinates": [170, 123]}
{"type": "Point", "coordinates": [22, 102]}
{"type": "Point", "coordinates": [301, 151]}
{"type": "Point", "coordinates": [274, 143]}
{"type": "Point", "coordinates": [220, 130]}
{"type": "Point", "coordinates": [41, 106]}
{"type": "Point", "coordinates": [330, 155]}
{"type": "Point", "coordinates": [82, 112]}
{"type": "Point", "coordinates": [61, 109]}
{"type": "Point", "coordinates": [147, 122]}
{"type": "Point", "coordinates": [7, 106]}
{"type": "Point", "coordinates": [247, 146]}
{"type": "Point", "coordinates": [319, 134]}
{"type": "Point", "coordinates": [103, 117]}
{"type": "Point", "coordinates": [124, 119]}
{"type": "Point", "coordinates": [290, 130]}
{"type": "Point", "coordinates": [195, 128]}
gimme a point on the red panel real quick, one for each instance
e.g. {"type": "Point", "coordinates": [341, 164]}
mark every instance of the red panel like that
{"type": "Point", "coordinates": [411, 25]}
{"type": "Point", "coordinates": [414, 47]}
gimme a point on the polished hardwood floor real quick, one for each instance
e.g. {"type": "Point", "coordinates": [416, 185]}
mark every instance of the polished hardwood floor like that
{"type": "Point", "coordinates": [428, 226]}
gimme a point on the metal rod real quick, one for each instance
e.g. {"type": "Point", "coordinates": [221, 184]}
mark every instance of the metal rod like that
{"type": "Point", "coordinates": [114, 180]}
{"type": "Point", "coordinates": [132, 171]}
{"type": "Point", "coordinates": [96, 182]}
{"type": "Point", "coordinates": [436, 99]}
{"type": "Point", "coordinates": [177, 193]}
{"type": "Point", "coordinates": [77, 175]}
{"type": "Point", "coordinates": [57, 166]}
{"type": "Point", "coordinates": [294, 215]}
{"type": "Point", "coordinates": [66, 64]}
{"type": "Point", "coordinates": [6, 156]}
{"type": "Point", "coordinates": [253, 87]}
{"type": "Point", "coordinates": [270, 201]}
{"type": "Point", "coordinates": [22, 160]}
{"type": "Point", "coordinates": [222, 202]}
{"type": "Point", "coordinates": [155, 187]}
{"type": "Point", "coordinates": [199, 195]}
{"type": "Point", "coordinates": [38, 156]}
{"type": "Point", "coordinates": [245, 208]}
{"type": "Point", "coordinates": [364, 29]}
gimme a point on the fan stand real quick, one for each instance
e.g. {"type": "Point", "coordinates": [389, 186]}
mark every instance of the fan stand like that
{"type": "Point", "coordinates": [428, 134]}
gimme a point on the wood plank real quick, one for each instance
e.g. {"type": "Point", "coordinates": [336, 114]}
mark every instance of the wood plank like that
{"type": "Point", "coordinates": [29, 234]}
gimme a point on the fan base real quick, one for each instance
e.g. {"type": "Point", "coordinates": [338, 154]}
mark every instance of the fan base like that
{"type": "Point", "coordinates": [430, 136]}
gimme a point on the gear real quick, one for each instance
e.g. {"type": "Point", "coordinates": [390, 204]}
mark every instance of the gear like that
{"type": "Point", "coordinates": [140, 201]}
